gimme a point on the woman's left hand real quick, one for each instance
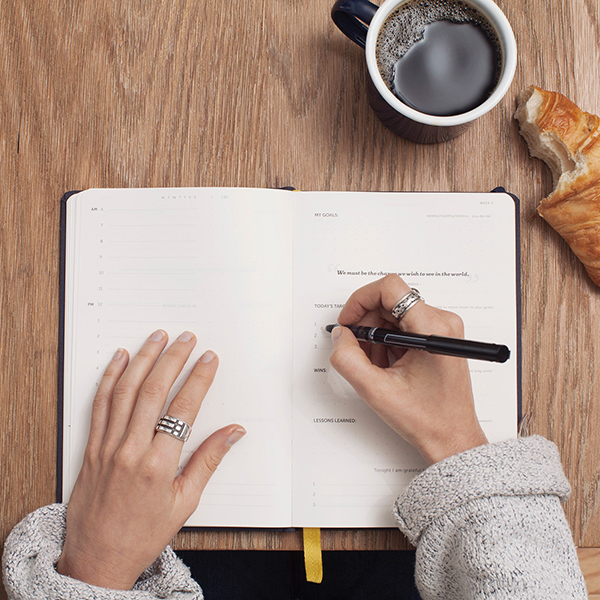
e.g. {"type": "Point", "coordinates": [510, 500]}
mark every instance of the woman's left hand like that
{"type": "Point", "coordinates": [128, 501]}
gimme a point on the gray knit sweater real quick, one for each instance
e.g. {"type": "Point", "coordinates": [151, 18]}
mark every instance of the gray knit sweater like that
{"type": "Point", "coordinates": [487, 523]}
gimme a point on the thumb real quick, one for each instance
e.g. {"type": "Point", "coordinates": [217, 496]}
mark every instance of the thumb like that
{"type": "Point", "coordinates": [205, 460]}
{"type": "Point", "coordinates": [349, 360]}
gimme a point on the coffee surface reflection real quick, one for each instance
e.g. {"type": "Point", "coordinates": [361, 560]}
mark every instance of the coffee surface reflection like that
{"type": "Point", "coordinates": [450, 72]}
{"type": "Point", "coordinates": [440, 58]}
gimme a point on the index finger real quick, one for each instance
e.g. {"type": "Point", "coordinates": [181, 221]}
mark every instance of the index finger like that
{"type": "Point", "coordinates": [380, 296]}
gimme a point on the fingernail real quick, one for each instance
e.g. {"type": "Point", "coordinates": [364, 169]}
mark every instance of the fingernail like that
{"type": "Point", "coordinates": [335, 333]}
{"type": "Point", "coordinates": [207, 356]}
{"type": "Point", "coordinates": [186, 336]}
{"type": "Point", "coordinates": [157, 335]}
{"type": "Point", "coordinates": [118, 354]}
{"type": "Point", "coordinates": [237, 435]}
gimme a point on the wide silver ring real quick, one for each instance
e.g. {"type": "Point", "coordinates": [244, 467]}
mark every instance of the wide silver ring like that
{"type": "Point", "coordinates": [176, 427]}
{"type": "Point", "coordinates": [406, 302]}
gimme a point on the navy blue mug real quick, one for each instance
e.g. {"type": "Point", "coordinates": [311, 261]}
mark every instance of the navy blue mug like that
{"type": "Point", "coordinates": [361, 21]}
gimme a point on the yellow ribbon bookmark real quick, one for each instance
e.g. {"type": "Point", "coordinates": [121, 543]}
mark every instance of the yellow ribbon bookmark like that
{"type": "Point", "coordinates": [313, 559]}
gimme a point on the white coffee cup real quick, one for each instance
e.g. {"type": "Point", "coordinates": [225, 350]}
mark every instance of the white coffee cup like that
{"type": "Point", "coordinates": [362, 21]}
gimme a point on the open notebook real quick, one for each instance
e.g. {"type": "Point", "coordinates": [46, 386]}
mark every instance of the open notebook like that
{"type": "Point", "coordinates": [256, 274]}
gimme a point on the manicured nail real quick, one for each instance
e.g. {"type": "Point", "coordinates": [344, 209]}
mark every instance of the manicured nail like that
{"type": "Point", "coordinates": [207, 356]}
{"type": "Point", "coordinates": [118, 354]}
{"type": "Point", "coordinates": [237, 435]}
{"type": "Point", "coordinates": [335, 333]}
{"type": "Point", "coordinates": [186, 336]}
{"type": "Point", "coordinates": [157, 335]}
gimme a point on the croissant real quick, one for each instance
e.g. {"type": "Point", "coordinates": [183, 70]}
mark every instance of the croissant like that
{"type": "Point", "coordinates": [568, 140]}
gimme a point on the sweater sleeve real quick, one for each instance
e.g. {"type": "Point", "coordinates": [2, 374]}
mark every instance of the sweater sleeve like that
{"type": "Point", "coordinates": [488, 523]}
{"type": "Point", "coordinates": [35, 545]}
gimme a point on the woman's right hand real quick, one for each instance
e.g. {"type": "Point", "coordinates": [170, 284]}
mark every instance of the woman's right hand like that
{"type": "Point", "coordinates": [426, 398]}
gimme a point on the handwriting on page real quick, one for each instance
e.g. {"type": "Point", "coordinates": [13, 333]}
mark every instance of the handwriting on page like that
{"type": "Point", "coordinates": [413, 273]}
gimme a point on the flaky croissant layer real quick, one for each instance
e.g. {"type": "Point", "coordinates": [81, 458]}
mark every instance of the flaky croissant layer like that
{"type": "Point", "coordinates": [568, 140]}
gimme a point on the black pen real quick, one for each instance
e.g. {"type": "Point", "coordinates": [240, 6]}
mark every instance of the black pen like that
{"type": "Point", "coordinates": [434, 344]}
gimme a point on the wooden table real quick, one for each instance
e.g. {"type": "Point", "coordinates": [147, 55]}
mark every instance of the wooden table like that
{"type": "Point", "coordinates": [265, 94]}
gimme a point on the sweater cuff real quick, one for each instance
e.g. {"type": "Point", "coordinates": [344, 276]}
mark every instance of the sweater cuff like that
{"type": "Point", "coordinates": [523, 467]}
{"type": "Point", "coordinates": [34, 546]}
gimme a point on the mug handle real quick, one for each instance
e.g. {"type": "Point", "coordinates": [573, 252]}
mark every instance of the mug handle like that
{"type": "Point", "coordinates": [352, 17]}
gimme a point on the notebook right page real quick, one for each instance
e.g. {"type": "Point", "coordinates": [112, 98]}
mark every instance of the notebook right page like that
{"type": "Point", "coordinates": [459, 251]}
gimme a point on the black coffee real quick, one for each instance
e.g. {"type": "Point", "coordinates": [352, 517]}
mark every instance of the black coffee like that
{"type": "Point", "coordinates": [439, 57]}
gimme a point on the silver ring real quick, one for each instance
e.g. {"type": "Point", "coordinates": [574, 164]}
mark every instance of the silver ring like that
{"type": "Point", "coordinates": [406, 302]}
{"type": "Point", "coordinates": [176, 427]}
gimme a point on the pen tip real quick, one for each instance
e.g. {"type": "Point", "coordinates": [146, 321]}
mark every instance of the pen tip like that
{"type": "Point", "coordinates": [329, 328]}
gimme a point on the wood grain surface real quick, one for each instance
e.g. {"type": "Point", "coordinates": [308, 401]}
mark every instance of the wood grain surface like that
{"type": "Point", "coordinates": [264, 94]}
{"type": "Point", "coordinates": [589, 559]}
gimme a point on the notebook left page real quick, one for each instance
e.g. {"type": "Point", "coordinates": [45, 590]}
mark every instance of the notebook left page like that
{"type": "Point", "coordinates": [213, 261]}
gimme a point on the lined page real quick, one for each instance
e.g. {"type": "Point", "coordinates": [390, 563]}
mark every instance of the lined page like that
{"type": "Point", "coordinates": [216, 262]}
{"type": "Point", "coordinates": [459, 251]}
